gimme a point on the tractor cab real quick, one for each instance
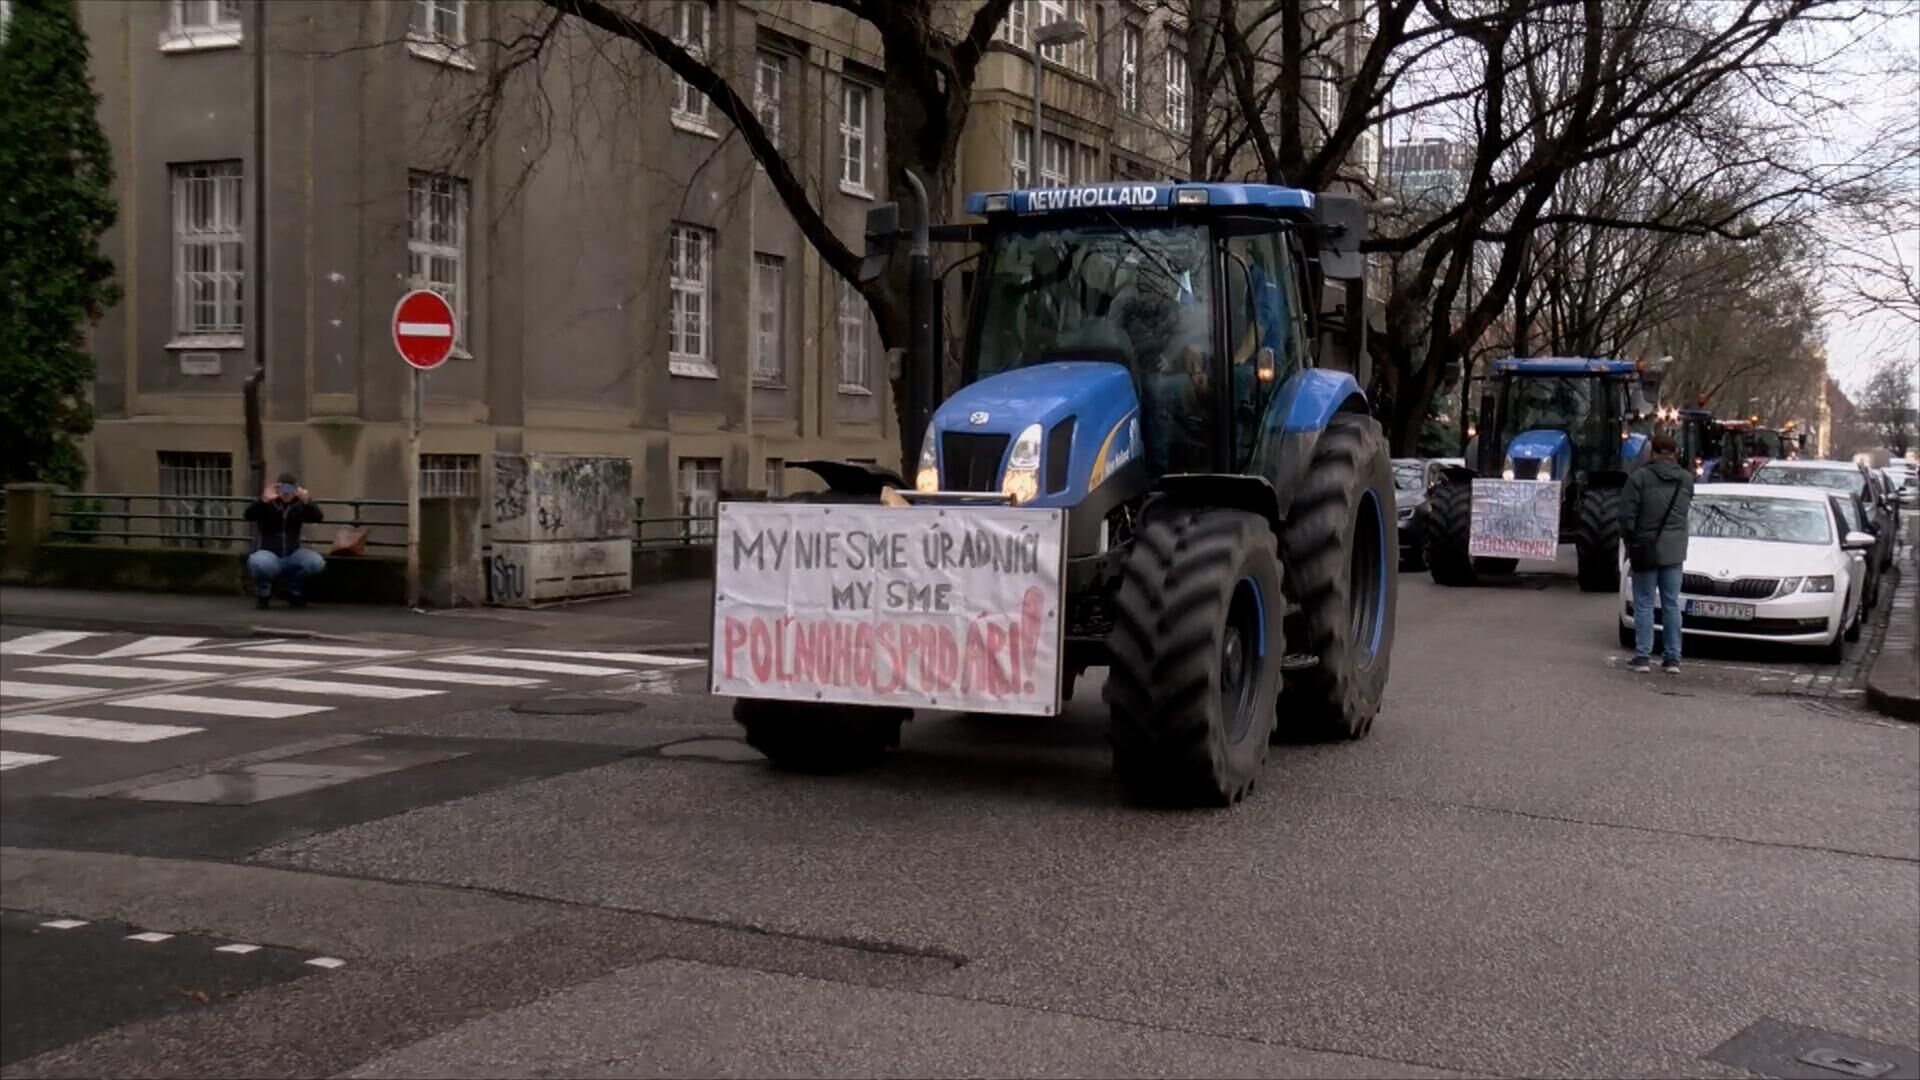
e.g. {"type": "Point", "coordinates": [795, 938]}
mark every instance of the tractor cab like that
{"type": "Point", "coordinates": [1698, 435]}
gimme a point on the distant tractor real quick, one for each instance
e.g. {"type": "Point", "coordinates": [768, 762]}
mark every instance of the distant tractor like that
{"type": "Point", "coordinates": [1744, 447]}
{"type": "Point", "coordinates": [1699, 436]}
{"type": "Point", "coordinates": [1151, 377]}
{"type": "Point", "coordinates": [1584, 423]}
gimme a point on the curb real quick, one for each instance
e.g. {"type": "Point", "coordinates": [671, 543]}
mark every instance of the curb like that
{"type": "Point", "coordinates": [1893, 682]}
{"type": "Point", "coordinates": [106, 625]}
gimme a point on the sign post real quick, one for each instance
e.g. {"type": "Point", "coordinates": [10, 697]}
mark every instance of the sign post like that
{"type": "Point", "coordinates": [423, 336]}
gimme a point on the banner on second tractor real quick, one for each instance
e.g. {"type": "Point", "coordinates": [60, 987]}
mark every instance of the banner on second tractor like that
{"type": "Point", "coordinates": [1515, 519]}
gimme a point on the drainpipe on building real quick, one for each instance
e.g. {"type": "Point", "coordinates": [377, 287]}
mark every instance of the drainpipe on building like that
{"type": "Point", "coordinates": [257, 323]}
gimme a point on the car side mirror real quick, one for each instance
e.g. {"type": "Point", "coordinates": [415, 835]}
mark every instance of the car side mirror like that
{"type": "Point", "coordinates": [1858, 541]}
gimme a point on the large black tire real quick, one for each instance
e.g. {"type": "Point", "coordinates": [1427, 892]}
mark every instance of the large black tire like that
{"type": "Point", "coordinates": [1446, 538]}
{"type": "Point", "coordinates": [1858, 623]}
{"type": "Point", "coordinates": [810, 737]}
{"type": "Point", "coordinates": [1341, 567]}
{"type": "Point", "coordinates": [1191, 697]}
{"type": "Point", "coordinates": [1596, 540]}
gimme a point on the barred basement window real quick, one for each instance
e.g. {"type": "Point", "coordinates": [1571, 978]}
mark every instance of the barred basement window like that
{"type": "Point", "coordinates": [699, 497]}
{"type": "Point", "coordinates": [194, 489]}
{"type": "Point", "coordinates": [443, 475]}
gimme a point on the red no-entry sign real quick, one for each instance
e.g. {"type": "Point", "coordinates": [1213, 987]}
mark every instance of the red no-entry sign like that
{"type": "Point", "coordinates": [423, 328]}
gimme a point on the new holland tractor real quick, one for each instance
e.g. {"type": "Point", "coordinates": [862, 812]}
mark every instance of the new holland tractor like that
{"type": "Point", "coordinates": [1581, 422]}
{"type": "Point", "coordinates": [1155, 364]}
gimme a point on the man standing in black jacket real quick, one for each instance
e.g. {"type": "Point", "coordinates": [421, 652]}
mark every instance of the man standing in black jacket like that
{"type": "Point", "coordinates": [1653, 524]}
{"type": "Point", "coordinates": [282, 509]}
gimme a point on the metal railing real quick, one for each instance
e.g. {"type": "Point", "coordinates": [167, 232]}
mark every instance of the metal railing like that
{"type": "Point", "coordinates": [211, 521]}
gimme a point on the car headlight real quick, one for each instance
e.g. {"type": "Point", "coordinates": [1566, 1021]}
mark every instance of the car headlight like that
{"type": "Point", "coordinates": [1818, 583]}
{"type": "Point", "coordinates": [1022, 480]}
{"type": "Point", "coordinates": [927, 477]}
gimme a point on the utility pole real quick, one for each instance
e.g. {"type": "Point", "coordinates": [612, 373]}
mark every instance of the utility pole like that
{"type": "Point", "coordinates": [256, 272]}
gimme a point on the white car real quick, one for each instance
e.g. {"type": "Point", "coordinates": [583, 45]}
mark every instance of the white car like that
{"type": "Point", "coordinates": [1767, 563]}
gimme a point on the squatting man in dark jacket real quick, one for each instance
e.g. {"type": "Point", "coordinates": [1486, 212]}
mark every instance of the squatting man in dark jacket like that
{"type": "Point", "coordinates": [1653, 525]}
{"type": "Point", "coordinates": [282, 509]}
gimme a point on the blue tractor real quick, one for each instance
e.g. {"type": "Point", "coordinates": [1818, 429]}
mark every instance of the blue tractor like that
{"type": "Point", "coordinates": [1583, 423]}
{"type": "Point", "coordinates": [1155, 360]}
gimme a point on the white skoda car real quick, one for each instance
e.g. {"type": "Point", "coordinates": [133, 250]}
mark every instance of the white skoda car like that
{"type": "Point", "coordinates": [1767, 563]}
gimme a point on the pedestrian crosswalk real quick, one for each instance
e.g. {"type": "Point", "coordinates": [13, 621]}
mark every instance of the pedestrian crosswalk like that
{"type": "Point", "coordinates": [69, 689]}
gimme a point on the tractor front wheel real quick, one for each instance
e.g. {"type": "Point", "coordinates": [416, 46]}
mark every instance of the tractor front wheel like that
{"type": "Point", "coordinates": [1197, 643]}
{"type": "Point", "coordinates": [1338, 542]}
{"type": "Point", "coordinates": [814, 737]}
{"type": "Point", "coordinates": [1596, 540]}
{"type": "Point", "coordinates": [1448, 526]}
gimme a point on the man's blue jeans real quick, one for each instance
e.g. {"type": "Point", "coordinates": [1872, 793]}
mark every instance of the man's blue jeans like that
{"type": "Point", "coordinates": [1667, 579]}
{"type": "Point", "coordinates": [267, 568]}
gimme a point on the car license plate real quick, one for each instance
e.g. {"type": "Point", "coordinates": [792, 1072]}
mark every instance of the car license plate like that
{"type": "Point", "coordinates": [1716, 609]}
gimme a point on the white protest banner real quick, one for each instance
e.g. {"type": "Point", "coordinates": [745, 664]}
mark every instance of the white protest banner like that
{"type": "Point", "coordinates": [1515, 519]}
{"type": "Point", "coordinates": [918, 607]}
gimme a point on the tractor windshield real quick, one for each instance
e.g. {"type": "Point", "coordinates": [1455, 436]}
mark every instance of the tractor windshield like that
{"type": "Point", "coordinates": [1555, 402]}
{"type": "Point", "coordinates": [1135, 295]}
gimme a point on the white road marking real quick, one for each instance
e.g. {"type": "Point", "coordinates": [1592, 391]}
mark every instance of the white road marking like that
{"type": "Point", "coordinates": [651, 659]}
{"type": "Point", "coordinates": [346, 689]}
{"type": "Point", "coordinates": [152, 643]}
{"type": "Point", "coordinates": [151, 937]}
{"type": "Point", "coordinates": [346, 651]}
{"type": "Point", "coordinates": [81, 727]}
{"type": "Point", "coordinates": [327, 962]}
{"type": "Point", "coordinates": [193, 703]}
{"type": "Point", "coordinates": [547, 666]}
{"type": "Point", "coordinates": [43, 691]}
{"type": "Point", "coordinates": [16, 759]}
{"type": "Point", "coordinates": [116, 671]}
{"type": "Point", "coordinates": [64, 924]}
{"type": "Point", "coordinates": [238, 947]}
{"type": "Point", "coordinates": [463, 678]}
{"type": "Point", "coordinates": [227, 660]}
{"type": "Point", "coordinates": [34, 644]}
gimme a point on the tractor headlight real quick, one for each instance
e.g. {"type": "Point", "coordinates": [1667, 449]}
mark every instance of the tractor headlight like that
{"type": "Point", "coordinates": [1818, 583]}
{"type": "Point", "coordinates": [927, 477]}
{"type": "Point", "coordinates": [1506, 471]}
{"type": "Point", "coordinates": [1546, 470]}
{"type": "Point", "coordinates": [1022, 481]}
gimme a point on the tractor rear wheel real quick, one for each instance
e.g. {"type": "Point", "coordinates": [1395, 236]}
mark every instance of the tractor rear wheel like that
{"type": "Point", "coordinates": [1448, 525]}
{"type": "Point", "coordinates": [815, 737]}
{"type": "Point", "coordinates": [1596, 540]}
{"type": "Point", "coordinates": [1339, 565]}
{"type": "Point", "coordinates": [1197, 643]}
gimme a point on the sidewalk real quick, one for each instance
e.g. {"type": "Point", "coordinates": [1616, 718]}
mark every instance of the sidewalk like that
{"type": "Point", "coordinates": [1893, 685]}
{"type": "Point", "coordinates": [667, 617]}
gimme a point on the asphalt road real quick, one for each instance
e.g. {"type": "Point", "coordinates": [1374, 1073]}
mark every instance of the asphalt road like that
{"type": "Point", "coordinates": [1540, 864]}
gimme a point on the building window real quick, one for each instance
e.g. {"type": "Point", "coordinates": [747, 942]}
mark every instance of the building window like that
{"type": "Point", "coordinates": [854, 320]}
{"type": "Point", "coordinates": [1130, 68]}
{"type": "Point", "coordinates": [194, 493]}
{"type": "Point", "coordinates": [201, 24]}
{"type": "Point", "coordinates": [1013, 28]}
{"type": "Point", "coordinates": [1330, 80]}
{"type": "Point", "coordinates": [437, 242]}
{"type": "Point", "coordinates": [443, 22]}
{"type": "Point", "coordinates": [769, 91]}
{"type": "Point", "coordinates": [1089, 166]}
{"type": "Point", "coordinates": [854, 101]}
{"type": "Point", "coordinates": [1056, 158]}
{"type": "Point", "coordinates": [1177, 90]}
{"type": "Point", "coordinates": [1020, 155]}
{"type": "Point", "coordinates": [769, 319]}
{"type": "Point", "coordinates": [1071, 55]}
{"type": "Point", "coordinates": [699, 497]}
{"type": "Point", "coordinates": [209, 268]}
{"type": "Point", "coordinates": [689, 261]}
{"type": "Point", "coordinates": [449, 475]}
{"type": "Point", "coordinates": [776, 478]}
{"type": "Point", "coordinates": [689, 31]}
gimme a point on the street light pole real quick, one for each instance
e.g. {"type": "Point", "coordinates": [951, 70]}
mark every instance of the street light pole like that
{"type": "Point", "coordinates": [1054, 33]}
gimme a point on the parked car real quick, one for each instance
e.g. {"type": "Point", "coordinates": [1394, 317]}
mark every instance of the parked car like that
{"type": "Point", "coordinates": [1879, 516]}
{"type": "Point", "coordinates": [1907, 477]}
{"type": "Point", "coordinates": [1769, 563]}
{"type": "Point", "coordinates": [1413, 479]}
